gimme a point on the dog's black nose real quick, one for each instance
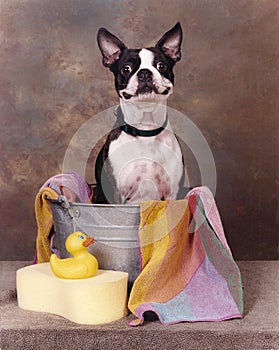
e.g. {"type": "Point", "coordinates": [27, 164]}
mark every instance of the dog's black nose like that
{"type": "Point", "coordinates": [144, 75]}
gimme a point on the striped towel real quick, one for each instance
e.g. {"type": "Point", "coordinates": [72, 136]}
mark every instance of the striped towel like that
{"type": "Point", "coordinates": [187, 269]}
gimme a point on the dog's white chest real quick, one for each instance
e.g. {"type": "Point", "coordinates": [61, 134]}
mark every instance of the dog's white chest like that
{"type": "Point", "coordinates": [146, 167]}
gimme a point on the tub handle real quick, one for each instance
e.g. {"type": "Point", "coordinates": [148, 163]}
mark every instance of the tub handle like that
{"type": "Point", "coordinates": [64, 203]}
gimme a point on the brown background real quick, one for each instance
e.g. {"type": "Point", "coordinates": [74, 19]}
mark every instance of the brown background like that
{"type": "Point", "coordinates": [52, 81]}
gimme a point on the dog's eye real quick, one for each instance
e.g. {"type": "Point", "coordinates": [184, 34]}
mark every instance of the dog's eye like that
{"type": "Point", "coordinates": [127, 69]}
{"type": "Point", "coordinates": [161, 67]}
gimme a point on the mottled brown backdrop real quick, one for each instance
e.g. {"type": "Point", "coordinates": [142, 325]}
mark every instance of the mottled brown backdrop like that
{"type": "Point", "coordinates": [52, 81]}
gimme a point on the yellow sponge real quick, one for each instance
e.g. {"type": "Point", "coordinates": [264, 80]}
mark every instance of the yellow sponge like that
{"type": "Point", "coordinates": [95, 300]}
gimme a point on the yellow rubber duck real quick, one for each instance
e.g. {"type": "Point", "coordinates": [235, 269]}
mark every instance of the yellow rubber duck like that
{"type": "Point", "coordinates": [81, 265]}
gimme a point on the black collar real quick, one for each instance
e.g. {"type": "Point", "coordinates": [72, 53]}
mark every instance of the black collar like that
{"type": "Point", "coordinates": [131, 130]}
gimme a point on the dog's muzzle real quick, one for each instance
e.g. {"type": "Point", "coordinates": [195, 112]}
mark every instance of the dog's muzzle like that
{"type": "Point", "coordinates": [145, 82]}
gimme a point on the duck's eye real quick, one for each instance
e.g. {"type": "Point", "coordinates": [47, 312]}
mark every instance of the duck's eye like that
{"type": "Point", "coordinates": [161, 67]}
{"type": "Point", "coordinates": [80, 237]}
{"type": "Point", "coordinates": [126, 69]}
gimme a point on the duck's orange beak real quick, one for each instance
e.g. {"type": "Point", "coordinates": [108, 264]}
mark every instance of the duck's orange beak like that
{"type": "Point", "coordinates": [89, 241]}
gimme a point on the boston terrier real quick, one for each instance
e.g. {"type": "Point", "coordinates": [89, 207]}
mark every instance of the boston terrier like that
{"type": "Point", "coordinates": [141, 158]}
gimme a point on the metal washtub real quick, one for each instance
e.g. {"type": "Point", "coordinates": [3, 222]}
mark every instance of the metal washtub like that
{"type": "Point", "coordinates": [114, 227]}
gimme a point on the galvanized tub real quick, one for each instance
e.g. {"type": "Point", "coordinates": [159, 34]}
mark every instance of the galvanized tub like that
{"type": "Point", "coordinates": [114, 227]}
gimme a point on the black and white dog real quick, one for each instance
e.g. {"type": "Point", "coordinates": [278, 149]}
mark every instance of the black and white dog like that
{"type": "Point", "coordinates": [141, 158]}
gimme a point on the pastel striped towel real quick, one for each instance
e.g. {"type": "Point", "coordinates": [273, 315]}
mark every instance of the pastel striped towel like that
{"type": "Point", "coordinates": [187, 269]}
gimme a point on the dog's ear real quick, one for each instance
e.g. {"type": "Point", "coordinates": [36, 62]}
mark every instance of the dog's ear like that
{"type": "Point", "coordinates": [110, 46]}
{"type": "Point", "coordinates": [170, 42]}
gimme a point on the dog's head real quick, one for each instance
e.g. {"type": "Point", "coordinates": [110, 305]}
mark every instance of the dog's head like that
{"type": "Point", "coordinates": [142, 74]}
